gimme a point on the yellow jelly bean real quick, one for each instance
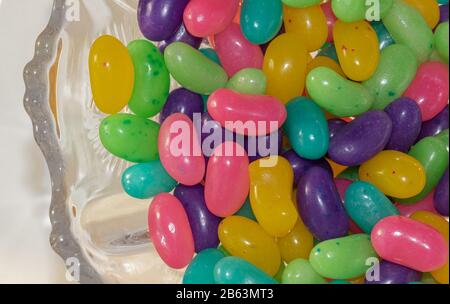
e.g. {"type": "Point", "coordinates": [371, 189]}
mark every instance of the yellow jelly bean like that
{"type": "Point", "coordinates": [271, 195]}
{"type": "Point", "coordinates": [357, 49]}
{"type": "Point", "coordinates": [246, 239]}
{"type": "Point", "coordinates": [111, 73]}
{"type": "Point", "coordinates": [429, 9]}
{"type": "Point", "coordinates": [297, 244]}
{"type": "Point", "coordinates": [323, 61]}
{"type": "Point", "coordinates": [309, 22]}
{"type": "Point", "coordinates": [285, 67]}
{"type": "Point", "coordinates": [337, 168]}
{"type": "Point", "coordinates": [394, 173]}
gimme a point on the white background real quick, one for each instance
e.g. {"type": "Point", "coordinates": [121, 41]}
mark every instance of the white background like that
{"type": "Point", "coordinates": [25, 253]}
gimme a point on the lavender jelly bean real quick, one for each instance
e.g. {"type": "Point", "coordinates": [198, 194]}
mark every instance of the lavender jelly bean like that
{"type": "Point", "coordinates": [436, 125]}
{"type": "Point", "coordinates": [391, 273]}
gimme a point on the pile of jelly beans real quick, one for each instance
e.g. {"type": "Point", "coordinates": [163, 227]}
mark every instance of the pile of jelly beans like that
{"type": "Point", "coordinates": [357, 189]}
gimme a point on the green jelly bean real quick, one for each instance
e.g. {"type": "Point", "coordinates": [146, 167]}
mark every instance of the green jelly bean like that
{"type": "Point", "coordinates": [301, 3]}
{"type": "Point", "coordinates": [408, 27]}
{"type": "Point", "coordinates": [336, 94]}
{"type": "Point", "coordinates": [433, 155]}
{"type": "Point", "coordinates": [151, 80]}
{"type": "Point", "coordinates": [367, 205]}
{"type": "Point", "coordinates": [201, 269]}
{"type": "Point", "coordinates": [248, 81]}
{"type": "Point", "coordinates": [443, 137]}
{"type": "Point", "coordinates": [307, 128]}
{"type": "Point", "coordinates": [351, 173]}
{"type": "Point", "coordinates": [435, 56]}
{"type": "Point", "coordinates": [357, 10]}
{"type": "Point", "coordinates": [279, 275]}
{"type": "Point", "coordinates": [223, 250]}
{"type": "Point", "coordinates": [441, 40]}
{"type": "Point", "coordinates": [193, 70]}
{"type": "Point", "coordinates": [427, 278]}
{"type": "Point", "coordinates": [234, 270]}
{"type": "Point", "coordinates": [395, 72]}
{"type": "Point", "coordinates": [211, 54]}
{"type": "Point", "coordinates": [130, 137]}
{"type": "Point", "coordinates": [300, 271]}
{"type": "Point", "coordinates": [246, 211]}
{"type": "Point", "coordinates": [343, 258]}
{"type": "Point", "coordinates": [340, 282]}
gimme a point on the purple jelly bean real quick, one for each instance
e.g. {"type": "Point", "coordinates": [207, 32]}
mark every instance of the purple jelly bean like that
{"type": "Point", "coordinates": [441, 195]}
{"type": "Point", "coordinates": [406, 120]}
{"type": "Point", "coordinates": [301, 165]}
{"type": "Point", "coordinates": [361, 139]}
{"type": "Point", "coordinates": [443, 13]}
{"type": "Point", "coordinates": [334, 125]}
{"type": "Point", "coordinates": [391, 273]}
{"type": "Point", "coordinates": [262, 146]}
{"type": "Point", "coordinates": [203, 223]}
{"type": "Point", "coordinates": [182, 101]}
{"type": "Point", "coordinates": [182, 35]}
{"type": "Point", "coordinates": [160, 19]}
{"type": "Point", "coordinates": [435, 126]}
{"type": "Point", "coordinates": [320, 205]}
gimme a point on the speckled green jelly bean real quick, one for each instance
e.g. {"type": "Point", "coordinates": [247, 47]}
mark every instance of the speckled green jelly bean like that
{"type": "Point", "coordinates": [396, 70]}
{"type": "Point", "coordinates": [407, 26]}
{"type": "Point", "coordinates": [300, 271]}
{"type": "Point", "coordinates": [444, 138]}
{"type": "Point", "coordinates": [301, 3]}
{"type": "Point", "coordinates": [193, 70]}
{"type": "Point", "coordinates": [151, 79]}
{"type": "Point", "coordinates": [336, 94]}
{"type": "Point", "coordinates": [201, 269]}
{"type": "Point", "coordinates": [441, 40]}
{"type": "Point", "coordinates": [357, 10]}
{"type": "Point", "coordinates": [130, 137]}
{"type": "Point", "coordinates": [342, 258]}
{"type": "Point", "coordinates": [248, 81]}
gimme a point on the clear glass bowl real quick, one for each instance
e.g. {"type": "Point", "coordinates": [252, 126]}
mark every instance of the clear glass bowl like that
{"type": "Point", "coordinates": [93, 221]}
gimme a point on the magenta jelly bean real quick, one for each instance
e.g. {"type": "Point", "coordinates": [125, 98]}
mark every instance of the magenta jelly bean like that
{"type": "Point", "coordinates": [180, 151]}
{"type": "Point", "coordinates": [170, 232]}
{"type": "Point", "coordinates": [331, 19]}
{"type": "Point", "coordinates": [410, 243]}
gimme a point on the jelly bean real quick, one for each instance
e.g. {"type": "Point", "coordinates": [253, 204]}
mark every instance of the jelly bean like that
{"type": "Point", "coordinates": [301, 165]}
{"type": "Point", "coordinates": [443, 9]}
{"type": "Point", "coordinates": [337, 95]}
{"type": "Point", "coordinates": [182, 101]}
{"type": "Point", "coordinates": [180, 151]}
{"type": "Point", "coordinates": [320, 206]}
{"type": "Point", "coordinates": [193, 70]}
{"type": "Point", "coordinates": [426, 204]}
{"type": "Point", "coordinates": [285, 67]}
{"type": "Point", "coordinates": [366, 205]}
{"type": "Point", "coordinates": [340, 282]}
{"type": "Point", "coordinates": [201, 269]}
{"type": "Point", "coordinates": [429, 9]}
{"type": "Point", "coordinates": [394, 74]}
{"type": "Point", "coordinates": [441, 195]}
{"type": "Point", "coordinates": [443, 137]}
{"type": "Point", "coordinates": [300, 271]}
{"type": "Point", "coordinates": [301, 3]}
{"type": "Point", "coordinates": [310, 23]}
{"type": "Point", "coordinates": [271, 196]}
{"type": "Point", "coordinates": [337, 168]}
{"type": "Point", "coordinates": [342, 258]}
{"type": "Point", "coordinates": [182, 35]}
{"type": "Point", "coordinates": [331, 19]}
{"type": "Point", "coordinates": [151, 79]}
{"type": "Point", "coordinates": [203, 223]}
{"type": "Point", "coordinates": [261, 20]}
{"type": "Point", "coordinates": [208, 17]}
{"type": "Point", "coordinates": [130, 137]}
{"type": "Point", "coordinates": [111, 74]}
{"type": "Point", "coordinates": [211, 54]}
{"type": "Point", "coordinates": [246, 211]}
{"type": "Point", "coordinates": [390, 273]}
{"type": "Point", "coordinates": [436, 125]}
{"type": "Point", "coordinates": [236, 52]}
{"type": "Point", "coordinates": [351, 173]}
{"type": "Point", "coordinates": [408, 27]}
{"type": "Point", "coordinates": [263, 146]}
{"type": "Point", "coordinates": [279, 274]}
{"type": "Point", "coordinates": [357, 142]}
{"type": "Point", "coordinates": [329, 50]}
{"type": "Point", "coordinates": [234, 270]}
{"type": "Point", "coordinates": [356, 10]}
{"type": "Point", "coordinates": [262, 114]}
{"type": "Point", "coordinates": [223, 250]}
{"type": "Point", "coordinates": [334, 125]}
{"type": "Point", "coordinates": [430, 88]}
{"type": "Point", "coordinates": [323, 61]}
{"type": "Point", "coordinates": [410, 243]}
{"type": "Point", "coordinates": [170, 232]}
{"type": "Point", "coordinates": [147, 180]}
{"type": "Point", "coordinates": [406, 124]}
{"type": "Point", "coordinates": [248, 81]}
{"type": "Point", "coordinates": [227, 179]}
{"type": "Point", "coordinates": [441, 40]}
{"type": "Point", "coordinates": [433, 156]}
{"type": "Point", "coordinates": [342, 186]}
{"type": "Point", "coordinates": [443, 2]}
{"type": "Point", "coordinates": [160, 19]}
{"type": "Point", "coordinates": [246, 239]}
{"type": "Point", "coordinates": [384, 38]}
{"type": "Point", "coordinates": [307, 128]}
{"type": "Point", "coordinates": [297, 244]}
{"type": "Point", "coordinates": [394, 173]}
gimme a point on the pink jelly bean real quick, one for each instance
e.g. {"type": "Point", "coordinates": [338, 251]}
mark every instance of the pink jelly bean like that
{"type": "Point", "coordinates": [227, 179]}
{"type": "Point", "coordinates": [170, 232]}
{"type": "Point", "coordinates": [427, 204]}
{"type": "Point", "coordinates": [180, 150]}
{"type": "Point", "coordinates": [430, 88]}
{"type": "Point", "coordinates": [236, 52]}
{"type": "Point", "coordinates": [331, 19]}
{"type": "Point", "coordinates": [342, 185]}
{"type": "Point", "coordinates": [251, 114]}
{"type": "Point", "coordinates": [410, 243]}
{"type": "Point", "coordinates": [209, 17]}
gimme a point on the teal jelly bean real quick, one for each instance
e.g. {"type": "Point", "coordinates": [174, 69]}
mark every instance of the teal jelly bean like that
{"type": "Point", "coordinates": [329, 50]}
{"type": "Point", "coordinates": [246, 210]}
{"type": "Point", "coordinates": [211, 54]}
{"type": "Point", "coordinates": [147, 180]}
{"type": "Point", "coordinates": [261, 20]}
{"type": "Point", "coordinates": [307, 128]}
{"type": "Point", "coordinates": [384, 38]}
{"type": "Point", "coordinates": [201, 269]}
{"type": "Point", "coordinates": [234, 270]}
{"type": "Point", "coordinates": [341, 282]}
